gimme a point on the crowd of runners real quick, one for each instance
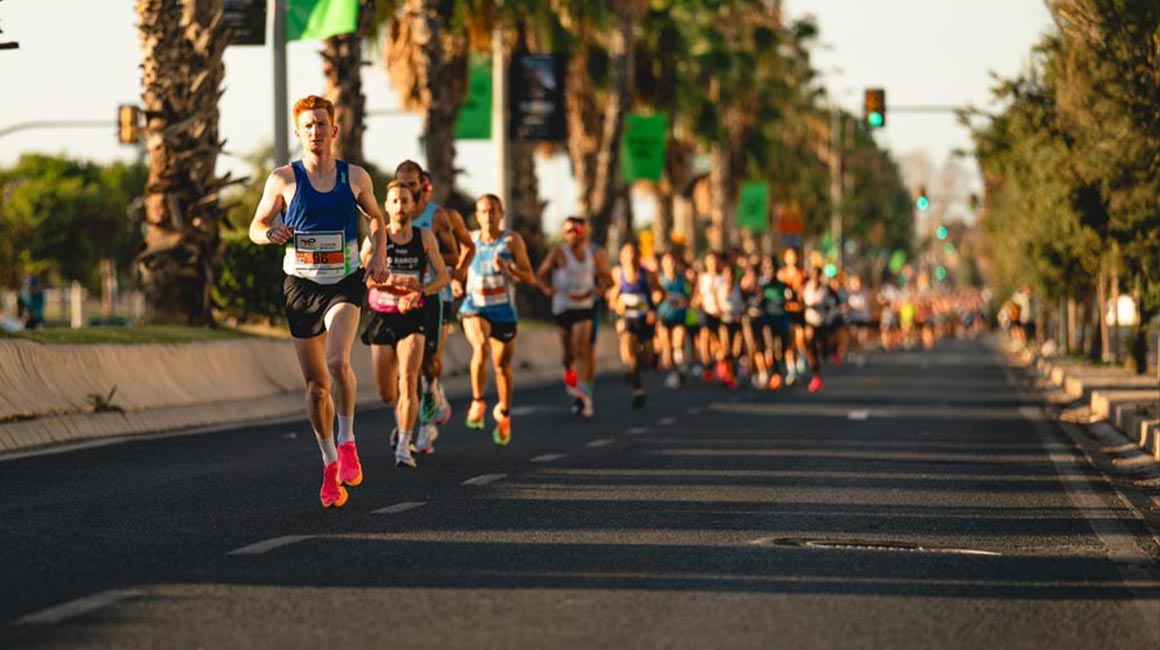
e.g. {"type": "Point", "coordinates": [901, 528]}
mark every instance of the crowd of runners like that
{"type": "Point", "coordinates": [728, 319]}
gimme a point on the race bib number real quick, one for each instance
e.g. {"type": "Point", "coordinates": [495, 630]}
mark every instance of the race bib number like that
{"type": "Point", "coordinates": [633, 304]}
{"type": "Point", "coordinates": [319, 256]}
{"type": "Point", "coordinates": [386, 300]}
{"type": "Point", "coordinates": [489, 291]}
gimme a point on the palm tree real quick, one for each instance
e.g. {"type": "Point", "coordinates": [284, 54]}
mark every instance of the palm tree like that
{"type": "Point", "coordinates": [181, 76]}
{"type": "Point", "coordinates": [342, 65]}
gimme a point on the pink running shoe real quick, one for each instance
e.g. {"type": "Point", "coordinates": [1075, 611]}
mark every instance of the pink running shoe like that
{"type": "Point", "coordinates": [815, 384]}
{"type": "Point", "coordinates": [349, 469]}
{"type": "Point", "coordinates": [332, 493]}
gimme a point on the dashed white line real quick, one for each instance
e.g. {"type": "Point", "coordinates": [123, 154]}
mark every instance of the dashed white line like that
{"type": "Point", "coordinates": [270, 544]}
{"type": "Point", "coordinates": [548, 458]}
{"type": "Point", "coordinates": [485, 479]}
{"type": "Point", "coordinates": [860, 414]}
{"type": "Point", "coordinates": [667, 422]}
{"type": "Point", "coordinates": [399, 508]}
{"type": "Point", "coordinates": [636, 431]}
{"type": "Point", "coordinates": [79, 607]}
{"type": "Point", "coordinates": [694, 410]}
{"type": "Point", "coordinates": [599, 442]}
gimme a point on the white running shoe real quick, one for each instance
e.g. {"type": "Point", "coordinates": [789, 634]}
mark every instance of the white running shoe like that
{"type": "Point", "coordinates": [443, 413]}
{"type": "Point", "coordinates": [673, 381]}
{"type": "Point", "coordinates": [589, 408]}
{"type": "Point", "coordinates": [425, 440]}
{"type": "Point", "coordinates": [403, 457]}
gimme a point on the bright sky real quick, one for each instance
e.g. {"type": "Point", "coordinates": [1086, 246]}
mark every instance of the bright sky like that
{"type": "Point", "coordinates": [82, 64]}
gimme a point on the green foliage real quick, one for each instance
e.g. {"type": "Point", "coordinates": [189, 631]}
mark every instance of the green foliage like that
{"type": "Point", "coordinates": [249, 280]}
{"type": "Point", "coordinates": [62, 216]}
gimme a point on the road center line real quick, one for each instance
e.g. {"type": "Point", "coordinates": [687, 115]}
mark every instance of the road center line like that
{"type": "Point", "coordinates": [599, 442]}
{"type": "Point", "coordinates": [270, 544]}
{"type": "Point", "coordinates": [667, 422]}
{"type": "Point", "coordinates": [636, 431]}
{"type": "Point", "coordinates": [860, 414]}
{"type": "Point", "coordinates": [694, 410]}
{"type": "Point", "coordinates": [485, 479]}
{"type": "Point", "coordinates": [79, 607]}
{"type": "Point", "coordinates": [547, 458]}
{"type": "Point", "coordinates": [399, 508]}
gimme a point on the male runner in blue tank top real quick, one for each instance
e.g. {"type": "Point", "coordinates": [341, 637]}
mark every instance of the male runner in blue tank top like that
{"type": "Point", "coordinates": [320, 198]}
{"type": "Point", "coordinates": [457, 249]}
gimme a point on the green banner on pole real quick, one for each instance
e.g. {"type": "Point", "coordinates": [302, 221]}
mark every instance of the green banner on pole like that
{"type": "Point", "coordinates": [642, 153]}
{"type": "Point", "coordinates": [475, 115]}
{"type": "Point", "coordinates": [316, 19]}
{"type": "Point", "coordinates": [753, 206]}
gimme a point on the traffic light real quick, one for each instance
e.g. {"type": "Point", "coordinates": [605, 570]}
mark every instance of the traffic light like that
{"type": "Point", "coordinates": [128, 131]}
{"type": "Point", "coordinates": [874, 107]}
{"type": "Point", "coordinates": [941, 232]}
{"type": "Point", "coordinates": [922, 202]}
{"type": "Point", "coordinates": [940, 273]}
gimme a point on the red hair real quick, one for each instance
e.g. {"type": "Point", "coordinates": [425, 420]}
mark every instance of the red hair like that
{"type": "Point", "coordinates": [312, 102]}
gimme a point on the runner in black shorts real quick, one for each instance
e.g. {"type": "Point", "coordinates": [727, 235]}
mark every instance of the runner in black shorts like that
{"type": "Point", "coordinates": [321, 198]}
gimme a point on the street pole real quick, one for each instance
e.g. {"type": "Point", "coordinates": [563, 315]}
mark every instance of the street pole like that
{"type": "Point", "coordinates": [281, 125]}
{"type": "Point", "coordinates": [499, 116]}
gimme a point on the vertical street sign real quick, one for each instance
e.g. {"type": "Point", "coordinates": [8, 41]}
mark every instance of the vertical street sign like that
{"type": "Point", "coordinates": [643, 147]}
{"type": "Point", "coordinates": [475, 115]}
{"type": "Point", "coordinates": [245, 21]}
{"type": "Point", "coordinates": [537, 97]}
{"type": "Point", "coordinates": [753, 206]}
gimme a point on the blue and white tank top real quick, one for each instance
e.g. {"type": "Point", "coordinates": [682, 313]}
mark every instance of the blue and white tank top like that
{"type": "Point", "coordinates": [325, 243]}
{"type": "Point", "coordinates": [426, 219]}
{"type": "Point", "coordinates": [634, 296]}
{"type": "Point", "coordinates": [489, 291]}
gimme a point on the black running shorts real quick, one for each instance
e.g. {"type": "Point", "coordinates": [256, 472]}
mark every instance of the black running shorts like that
{"type": "Point", "coordinates": [308, 301]}
{"type": "Point", "coordinates": [389, 329]}
{"type": "Point", "coordinates": [566, 319]}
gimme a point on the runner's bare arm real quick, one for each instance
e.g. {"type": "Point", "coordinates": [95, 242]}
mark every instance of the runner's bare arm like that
{"type": "Point", "coordinates": [364, 194]}
{"type": "Point", "coordinates": [522, 268]}
{"type": "Point", "coordinates": [613, 293]}
{"type": "Point", "coordinates": [466, 246]}
{"type": "Point", "coordinates": [439, 276]}
{"type": "Point", "coordinates": [445, 237]}
{"type": "Point", "coordinates": [544, 273]}
{"type": "Point", "coordinates": [262, 228]}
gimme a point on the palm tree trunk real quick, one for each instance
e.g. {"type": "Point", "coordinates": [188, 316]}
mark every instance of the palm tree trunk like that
{"type": "Point", "coordinates": [181, 76]}
{"type": "Point", "coordinates": [342, 66]}
{"type": "Point", "coordinates": [583, 121]}
{"type": "Point", "coordinates": [607, 180]}
{"type": "Point", "coordinates": [719, 175]}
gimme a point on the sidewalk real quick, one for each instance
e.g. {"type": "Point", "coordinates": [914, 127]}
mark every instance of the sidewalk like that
{"type": "Point", "coordinates": [45, 390]}
{"type": "Point", "coordinates": [1127, 401]}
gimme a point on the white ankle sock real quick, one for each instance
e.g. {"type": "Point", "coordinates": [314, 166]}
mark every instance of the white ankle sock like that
{"type": "Point", "coordinates": [329, 452]}
{"type": "Point", "coordinates": [345, 428]}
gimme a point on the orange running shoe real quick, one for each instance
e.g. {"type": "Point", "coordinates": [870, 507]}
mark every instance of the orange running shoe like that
{"type": "Point", "coordinates": [475, 414]}
{"type": "Point", "coordinates": [332, 493]}
{"type": "Point", "coordinates": [349, 468]}
{"type": "Point", "coordinates": [775, 382]}
{"type": "Point", "coordinates": [502, 434]}
{"type": "Point", "coordinates": [815, 384]}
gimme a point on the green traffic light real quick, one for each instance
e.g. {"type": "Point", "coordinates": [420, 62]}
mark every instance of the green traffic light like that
{"type": "Point", "coordinates": [875, 119]}
{"type": "Point", "coordinates": [831, 271]}
{"type": "Point", "coordinates": [922, 203]}
{"type": "Point", "coordinates": [940, 273]}
{"type": "Point", "coordinates": [941, 233]}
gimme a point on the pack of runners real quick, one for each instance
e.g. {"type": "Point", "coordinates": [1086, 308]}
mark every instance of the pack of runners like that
{"type": "Point", "coordinates": [728, 319]}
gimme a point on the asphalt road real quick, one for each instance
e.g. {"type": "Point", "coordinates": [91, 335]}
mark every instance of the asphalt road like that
{"type": "Point", "coordinates": [919, 502]}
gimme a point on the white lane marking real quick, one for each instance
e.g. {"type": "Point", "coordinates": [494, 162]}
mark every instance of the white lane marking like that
{"type": "Point", "coordinates": [599, 442]}
{"type": "Point", "coordinates": [270, 544]}
{"type": "Point", "coordinates": [667, 422]}
{"type": "Point", "coordinates": [485, 479]}
{"type": "Point", "coordinates": [289, 436]}
{"type": "Point", "coordinates": [694, 410]}
{"type": "Point", "coordinates": [528, 410]}
{"type": "Point", "coordinates": [636, 431]}
{"type": "Point", "coordinates": [399, 508]}
{"type": "Point", "coordinates": [547, 458]}
{"type": "Point", "coordinates": [860, 414]}
{"type": "Point", "coordinates": [79, 607]}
